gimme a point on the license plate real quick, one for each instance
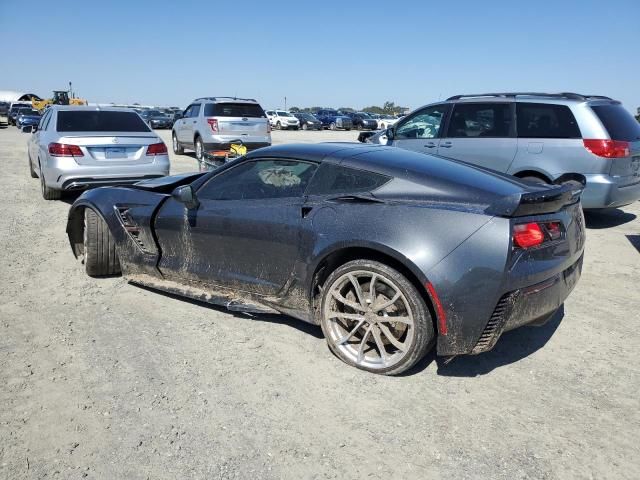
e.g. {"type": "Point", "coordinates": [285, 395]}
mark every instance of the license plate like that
{"type": "Point", "coordinates": [115, 152]}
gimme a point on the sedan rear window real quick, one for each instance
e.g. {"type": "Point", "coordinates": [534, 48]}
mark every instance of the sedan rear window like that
{"type": "Point", "coordinates": [619, 123]}
{"type": "Point", "coordinates": [250, 110]}
{"type": "Point", "coordinates": [99, 121]}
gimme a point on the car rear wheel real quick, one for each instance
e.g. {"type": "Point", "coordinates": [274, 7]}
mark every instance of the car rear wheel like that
{"type": "Point", "coordinates": [533, 179]}
{"type": "Point", "coordinates": [304, 126]}
{"type": "Point", "coordinates": [32, 172]}
{"type": "Point", "coordinates": [48, 193]}
{"type": "Point", "coordinates": [100, 256]}
{"type": "Point", "coordinates": [374, 318]}
{"type": "Point", "coordinates": [199, 149]}
{"type": "Point", "coordinates": [332, 126]}
{"type": "Point", "coordinates": [177, 148]}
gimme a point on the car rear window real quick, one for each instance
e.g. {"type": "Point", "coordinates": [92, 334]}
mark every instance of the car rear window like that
{"type": "Point", "coordinates": [250, 110]}
{"type": "Point", "coordinates": [100, 121]}
{"type": "Point", "coordinates": [540, 120]}
{"type": "Point", "coordinates": [619, 123]}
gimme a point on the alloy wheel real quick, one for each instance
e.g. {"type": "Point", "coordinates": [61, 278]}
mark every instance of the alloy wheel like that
{"type": "Point", "coordinates": [369, 320]}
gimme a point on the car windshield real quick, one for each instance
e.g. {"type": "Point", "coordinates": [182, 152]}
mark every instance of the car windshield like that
{"type": "Point", "coordinates": [99, 121]}
{"type": "Point", "coordinates": [308, 116]}
{"type": "Point", "coordinates": [331, 112]}
{"type": "Point", "coordinates": [364, 115]}
{"type": "Point", "coordinates": [29, 112]}
{"type": "Point", "coordinates": [283, 114]}
{"type": "Point", "coordinates": [155, 113]}
{"type": "Point", "coordinates": [249, 110]}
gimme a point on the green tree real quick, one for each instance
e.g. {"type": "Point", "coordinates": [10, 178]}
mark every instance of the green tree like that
{"type": "Point", "coordinates": [294, 109]}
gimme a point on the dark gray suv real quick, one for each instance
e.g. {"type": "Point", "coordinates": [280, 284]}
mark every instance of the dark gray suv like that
{"type": "Point", "coordinates": [543, 137]}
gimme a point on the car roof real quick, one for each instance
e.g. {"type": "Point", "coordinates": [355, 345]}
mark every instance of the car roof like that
{"type": "Point", "coordinates": [85, 108]}
{"type": "Point", "coordinates": [316, 152]}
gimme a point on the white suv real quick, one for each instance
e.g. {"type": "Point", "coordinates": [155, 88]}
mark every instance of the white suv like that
{"type": "Point", "coordinates": [214, 123]}
{"type": "Point", "coordinates": [280, 119]}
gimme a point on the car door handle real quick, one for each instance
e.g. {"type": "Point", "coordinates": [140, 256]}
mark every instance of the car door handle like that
{"type": "Point", "coordinates": [446, 145]}
{"type": "Point", "coordinates": [194, 121]}
{"type": "Point", "coordinates": [430, 145]}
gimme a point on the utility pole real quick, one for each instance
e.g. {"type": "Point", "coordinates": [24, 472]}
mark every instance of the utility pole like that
{"type": "Point", "coordinates": [285, 104]}
{"type": "Point", "coordinates": [70, 90]}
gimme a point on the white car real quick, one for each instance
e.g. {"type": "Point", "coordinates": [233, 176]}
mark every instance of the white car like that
{"type": "Point", "coordinates": [282, 120]}
{"type": "Point", "coordinates": [385, 121]}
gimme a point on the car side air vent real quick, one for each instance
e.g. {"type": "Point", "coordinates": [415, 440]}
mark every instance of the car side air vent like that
{"type": "Point", "coordinates": [131, 227]}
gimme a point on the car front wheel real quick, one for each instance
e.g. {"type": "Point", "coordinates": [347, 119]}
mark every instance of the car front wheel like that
{"type": "Point", "coordinates": [177, 148]}
{"type": "Point", "coordinates": [199, 149]}
{"type": "Point", "coordinates": [374, 318]}
{"type": "Point", "coordinates": [100, 256]}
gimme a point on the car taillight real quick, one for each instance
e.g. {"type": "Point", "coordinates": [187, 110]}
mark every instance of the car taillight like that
{"type": "Point", "coordinates": [532, 234]}
{"type": "Point", "coordinates": [64, 150]}
{"type": "Point", "coordinates": [157, 149]}
{"type": "Point", "coordinates": [213, 123]}
{"type": "Point", "coordinates": [607, 148]}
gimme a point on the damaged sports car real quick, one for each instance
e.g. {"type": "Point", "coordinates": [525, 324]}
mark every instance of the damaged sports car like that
{"type": "Point", "coordinates": [391, 252]}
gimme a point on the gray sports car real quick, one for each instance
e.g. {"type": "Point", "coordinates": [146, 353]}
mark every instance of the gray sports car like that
{"type": "Point", "coordinates": [389, 251]}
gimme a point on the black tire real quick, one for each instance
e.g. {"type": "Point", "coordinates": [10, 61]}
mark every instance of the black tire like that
{"type": "Point", "coordinates": [332, 126]}
{"type": "Point", "coordinates": [278, 126]}
{"type": "Point", "coordinates": [304, 126]}
{"type": "Point", "coordinates": [100, 256]}
{"type": "Point", "coordinates": [32, 172]}
{"type": "Point", "coordinates": [423, 334]}
{"type": "Point", "coordinates": [177, 148]}
{"type": "Point", "coordinates": [48, 193]}
{"type": "Point", "coordinates": [199, 148]}
{"type": "Point", "coordinates": [534, 179]}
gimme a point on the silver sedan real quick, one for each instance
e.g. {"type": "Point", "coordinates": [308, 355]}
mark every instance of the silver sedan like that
{"type": "Point", "coordinates": [74, 148]}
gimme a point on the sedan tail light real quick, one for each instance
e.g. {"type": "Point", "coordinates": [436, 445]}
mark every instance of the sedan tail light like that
{"type": "Point", "coordinates": [213, 123]}
{"type": "Point", "coordinates": [608, 148]}
{"type": "Point", "coordinates": [64, 150]}
{"type": "Point", "coordinates": [157, 149]}
{"type": "Point", "coordinates": [532, 234]}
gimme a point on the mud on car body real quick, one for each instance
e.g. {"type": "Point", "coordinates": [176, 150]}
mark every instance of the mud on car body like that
{"type": "Point", "coordinates": [388, 253]}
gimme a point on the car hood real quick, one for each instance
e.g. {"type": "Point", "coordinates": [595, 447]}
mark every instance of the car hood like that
{"type": "Point", "coordinates": [168, 183]}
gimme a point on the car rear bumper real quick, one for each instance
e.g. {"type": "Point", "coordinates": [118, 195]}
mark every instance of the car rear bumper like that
{"type": "Point", "coordinates": [532, 305]}
{"type": "Point", "coordinates": [226, 145]}
{"type": "Point", "coordinates": [65, 174]}
{"type": "Point", "coordinates": [605, 191]}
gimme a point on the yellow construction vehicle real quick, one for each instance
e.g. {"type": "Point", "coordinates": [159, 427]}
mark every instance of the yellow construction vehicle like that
{"type": "Point", "coordinates": [60, 97]}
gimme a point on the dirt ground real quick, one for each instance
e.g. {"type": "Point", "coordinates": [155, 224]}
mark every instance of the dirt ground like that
{"type": "Point", "coordinates": [104, 380]}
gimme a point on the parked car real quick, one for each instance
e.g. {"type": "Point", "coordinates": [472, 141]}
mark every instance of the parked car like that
{"type": "Point", "coordinates": [76, 147]}
{"type": "Point", "coordinates": [333, 120]}
{"type": "Point", "coordinates": [389, 253]}
{"type": "Point", "coordinates": [386, 121]}
{"type": "Point", "coordinates": [214, 123]}
{"type": "Point", "coordinates": [308, 121]}
{"type": "Point", "coordinates": [362, 121]}
{"type": "Point", "coordinates": [15, 108]}
{"type": "Point", "coordinates": [282, 120]}
{"type": "Point", "coordinates": [542, 137]}
{"type": "Point", "coordinates": [27, 117]}
{"type": "Point", "coordinates": [4, 112]}
{"type": "Point", "coordinates": [156, 119]}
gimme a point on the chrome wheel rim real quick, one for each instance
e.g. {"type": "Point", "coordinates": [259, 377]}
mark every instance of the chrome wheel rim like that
{"type": "Point", "coordinates": [174, 141]}
{"type": "Point", "coordinates": [369, 320]}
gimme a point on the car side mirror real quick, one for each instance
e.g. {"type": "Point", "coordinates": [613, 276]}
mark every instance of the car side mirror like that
{"type": "Point", "coordinates": [186, 195]}
{"type": "Point", "coordinates": [28, 129]}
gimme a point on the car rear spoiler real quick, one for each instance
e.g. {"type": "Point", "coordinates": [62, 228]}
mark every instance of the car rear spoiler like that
{"type": "Point", "coordinates": [540, 202]}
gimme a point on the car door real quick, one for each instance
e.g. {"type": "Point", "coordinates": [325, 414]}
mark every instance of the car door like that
{"type": "Point", "coordinates": [420, 132]}
{"type": "Point", "coordinates": [481, 133]}
{"type": "Point", "coordinates": [245, 233]}
{"type": "Point", "coordinates": [191, 123]}
{"type": "Point", "coordinates": [38, 141]}
{"type": "Point", "coordinates": [180, 125]}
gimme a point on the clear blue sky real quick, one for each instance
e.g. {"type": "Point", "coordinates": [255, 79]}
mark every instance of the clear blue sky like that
{"type": "Point", "coordinates": [321, 53]}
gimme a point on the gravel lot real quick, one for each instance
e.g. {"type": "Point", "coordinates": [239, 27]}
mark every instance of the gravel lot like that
{"type": "Point", "coordinates": [105, 380]}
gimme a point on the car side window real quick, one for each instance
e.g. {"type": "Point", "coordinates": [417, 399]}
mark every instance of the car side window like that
{"type": "Point", "coordinates": [480, 120]}
{"type": "Point", "coordinates": [195, 110]}
{"type": "Point", "coordinates": [187, 112]}
{"type": "Point", "coordinates": [44, 121]}
{"type": "Point", "coordinates": [425, 123]}
{"type": "Point", "coordinates": [541, 120]}
{"type": "Point", "coordinates": [258, 179]}
{"type": "Point", "coordinates": [335, 179]}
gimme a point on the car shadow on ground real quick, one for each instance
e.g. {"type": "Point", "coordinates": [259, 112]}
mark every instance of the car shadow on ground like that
{"type": "Point", "coordinates": [304, 327]}
{"type": "Point", "coordinates": [511, 347]}
{"type": "Point", "coordinates": [635, 241]}
{"type": "Point", "coordinates": [597, 219]}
